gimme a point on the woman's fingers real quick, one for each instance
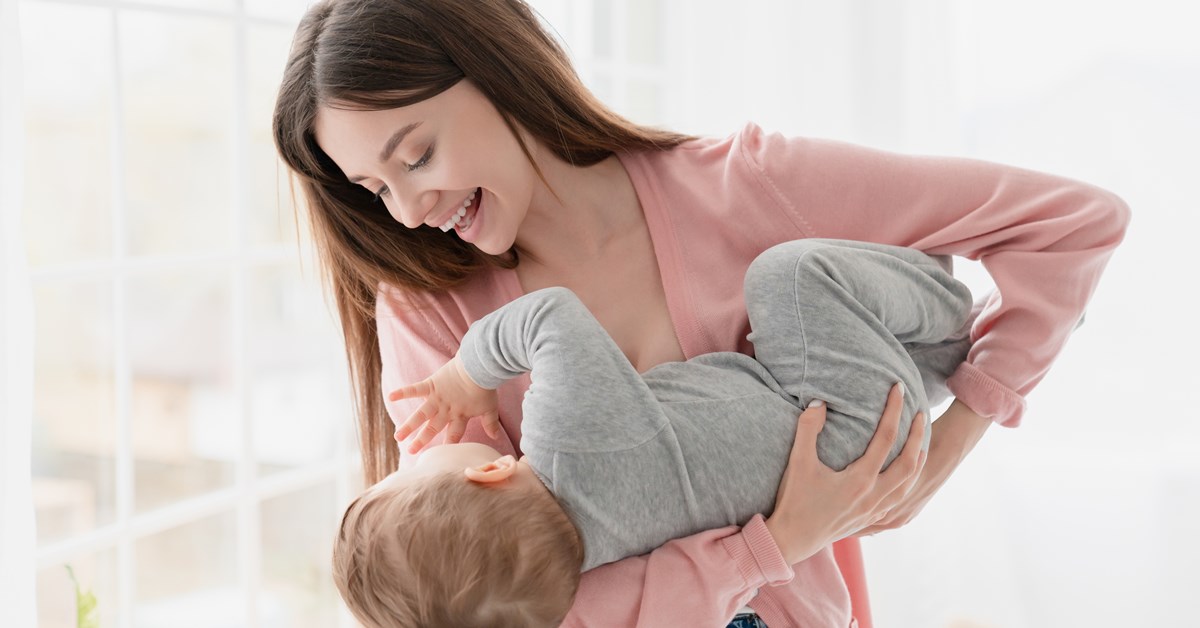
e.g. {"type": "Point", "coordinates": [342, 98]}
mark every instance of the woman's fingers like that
{"type": "Point", "coordinates": [809, 425]}
{"type": "Point", "coordinates": [905, 465]}
{"type": "Point", "coordinates": [419, 389]}
{"type": "Point", "coordinates": [905, 470]}
{"type": "Point", "coordinates": [886, 432]}
{"type": "Point", "coordinates": [897, 508]}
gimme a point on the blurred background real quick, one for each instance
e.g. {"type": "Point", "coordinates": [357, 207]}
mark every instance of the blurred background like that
{"type": "Point", "coordinates": [193, 444]}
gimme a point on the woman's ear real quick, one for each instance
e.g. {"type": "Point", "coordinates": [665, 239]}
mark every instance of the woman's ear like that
{"type": "Point", "coordinates": [497, 470]}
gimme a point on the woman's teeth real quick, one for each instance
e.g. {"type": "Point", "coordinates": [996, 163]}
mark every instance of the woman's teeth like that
{"type": "Point", "coordinates": [458, 218]}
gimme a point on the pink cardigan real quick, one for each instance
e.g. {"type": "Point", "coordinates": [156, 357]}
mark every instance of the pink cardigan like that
{"type": "Point", "coordinates": [712, 205]}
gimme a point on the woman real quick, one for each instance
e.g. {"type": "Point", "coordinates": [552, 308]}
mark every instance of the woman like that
{"type": "Point", "coordinates": [452, 161]}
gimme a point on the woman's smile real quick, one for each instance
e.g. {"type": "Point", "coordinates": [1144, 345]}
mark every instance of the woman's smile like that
{"type": "Point", "coordinates": [464, 216]}
{"type": "Point", "coordinates": [459, 216]}
{"type": "Point", "coordinates": [466, 227]}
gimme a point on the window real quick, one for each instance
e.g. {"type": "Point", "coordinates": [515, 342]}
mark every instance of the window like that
{"type": "Point", "coordinates": [618, 49]}
{"type": "Point", "coordinates": [193, 441]}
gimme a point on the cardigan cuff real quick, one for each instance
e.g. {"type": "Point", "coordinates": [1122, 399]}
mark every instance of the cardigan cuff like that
{"type": "Point", "coordinates": [986, 396]}
{"type": "Point", "coordinates": [757, 555]}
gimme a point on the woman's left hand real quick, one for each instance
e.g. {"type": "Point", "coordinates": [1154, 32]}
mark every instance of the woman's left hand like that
{"type": "Point", "coordinates": [954, 435]}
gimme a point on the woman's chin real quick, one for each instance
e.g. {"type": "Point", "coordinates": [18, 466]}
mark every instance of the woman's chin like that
{"type": "Point", "coordinates": [495, 251]}
{"type": "Point", "coordinates": [492, 247]}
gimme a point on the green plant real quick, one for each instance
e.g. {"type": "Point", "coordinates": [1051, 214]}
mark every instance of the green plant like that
{"type": "Point", "coordinates": [86, 615]}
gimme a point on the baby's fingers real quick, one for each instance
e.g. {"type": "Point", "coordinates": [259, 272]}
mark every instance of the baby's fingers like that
{"type": "Point", "coordinates": [415, 420]}
{"type": "Point", "coordinates": [419, 389]}
{"type": "Point", "coordinates": [455, 431]}
{"type": "Point", "coordinates": [425, 435]}
{"type": "Point", "coordinates": [491, 424]}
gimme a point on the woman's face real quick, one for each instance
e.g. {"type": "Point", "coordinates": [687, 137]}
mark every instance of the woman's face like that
{"type": "Point", "coordinates": [431, 161]}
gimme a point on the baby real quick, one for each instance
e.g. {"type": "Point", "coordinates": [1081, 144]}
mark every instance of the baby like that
{"type": "Point", "coordinates": [617, 463]}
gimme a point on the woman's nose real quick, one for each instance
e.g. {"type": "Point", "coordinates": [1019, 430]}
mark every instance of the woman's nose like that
{"type": "Point", "coordinates": [414, 208]}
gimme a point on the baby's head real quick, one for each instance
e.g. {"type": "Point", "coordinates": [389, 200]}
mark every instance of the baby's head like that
{"type": "Point", "coordinates": [466, 537]}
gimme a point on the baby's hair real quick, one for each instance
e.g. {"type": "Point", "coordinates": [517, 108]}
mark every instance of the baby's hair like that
{"type": "Point", "coordinates": [446, 551]}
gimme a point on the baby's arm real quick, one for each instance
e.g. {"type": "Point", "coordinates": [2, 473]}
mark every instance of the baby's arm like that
{"type": "Point", "coordinates": [580, 377]}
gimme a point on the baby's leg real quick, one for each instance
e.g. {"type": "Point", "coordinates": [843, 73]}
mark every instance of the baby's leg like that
{"type": "Point", "coordinates": [830, 319]}
{"type": "Point", "coordinates": [938, 361]}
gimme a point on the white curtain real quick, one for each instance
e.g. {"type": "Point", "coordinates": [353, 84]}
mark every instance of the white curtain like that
{"type": "Point", "coordinates": [16, 347]}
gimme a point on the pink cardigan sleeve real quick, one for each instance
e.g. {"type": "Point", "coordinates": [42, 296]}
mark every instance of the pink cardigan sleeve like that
{"type": "Point", "coordinates": [1043, 239]}
{"type": "Point", "coordinates": [699, 580]}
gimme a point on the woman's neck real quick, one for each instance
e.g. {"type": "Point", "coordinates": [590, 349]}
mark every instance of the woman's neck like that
{"type": "Point", "coordinates": [590, 209]}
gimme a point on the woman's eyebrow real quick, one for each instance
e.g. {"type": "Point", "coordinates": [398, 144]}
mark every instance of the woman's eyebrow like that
{"type": "Point", "coordinates": [389, 147]}
{"type": "Point", "coordinates": [395, 140]}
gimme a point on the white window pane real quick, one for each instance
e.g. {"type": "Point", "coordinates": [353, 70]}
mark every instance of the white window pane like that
{"type": "Point", "coordinates": [602, 28]}
{"type": "Point", "coordinates": [184, 413]}
{"type": "Point", "coordinates": [96, 573]}
{"type": "Point", "coordinates": [555, 15]}
{"type": "Point", "coordinates": [643, 101]}
{"type": "Point", "coordinates": [297, 373]}
{"type": "Point", "coordinates": [186, 577]}
{"type": "Point", "coordinates": [602, 86]}
{"type": "Point", "coordinates": [226, 5]}
{"type": "Point", "coordinates": [68, 110]}
{"type": "Point", "coordinates": [284, 9]}
{"type": "Point", "coordinates": [177, 86]}
{"type": "Point", "coordinates": [642, 36]}
{"type": "Point", "coordinates": [74, 430]}
{"type": "Point", "coordinates": [297, 541]}
{"type": "Point", "coordinates": [270, 215]}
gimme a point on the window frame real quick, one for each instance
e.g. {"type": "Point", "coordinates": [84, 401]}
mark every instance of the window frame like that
{"type": "Point", "coordinates": [249, 490]}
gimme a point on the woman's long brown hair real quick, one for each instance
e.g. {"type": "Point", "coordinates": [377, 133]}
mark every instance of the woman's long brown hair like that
{"type": "Point", "coordinates": [383, 54]}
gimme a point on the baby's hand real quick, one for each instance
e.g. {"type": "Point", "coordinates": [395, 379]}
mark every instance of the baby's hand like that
{"type": "Point", "coordinates": [451, 399]}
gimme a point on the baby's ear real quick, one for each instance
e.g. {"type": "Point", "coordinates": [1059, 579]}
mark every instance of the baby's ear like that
{"type": "Point", "coordinates": [497, 470]}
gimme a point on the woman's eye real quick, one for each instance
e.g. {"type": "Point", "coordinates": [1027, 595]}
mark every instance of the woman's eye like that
{"type": "Point", "coordinates": [383, 191]}
{"type": "Point", "coordinates": [423, 161]}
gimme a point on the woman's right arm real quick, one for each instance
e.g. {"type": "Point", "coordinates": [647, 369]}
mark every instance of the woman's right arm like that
{"type": "Point", "coordinates": [699, 580]}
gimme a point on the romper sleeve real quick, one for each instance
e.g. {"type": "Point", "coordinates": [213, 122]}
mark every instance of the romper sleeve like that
{"type": "Point", "coordinates": [584, 394]}
{"type": "Point", "coordinates": [1044, 239]}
